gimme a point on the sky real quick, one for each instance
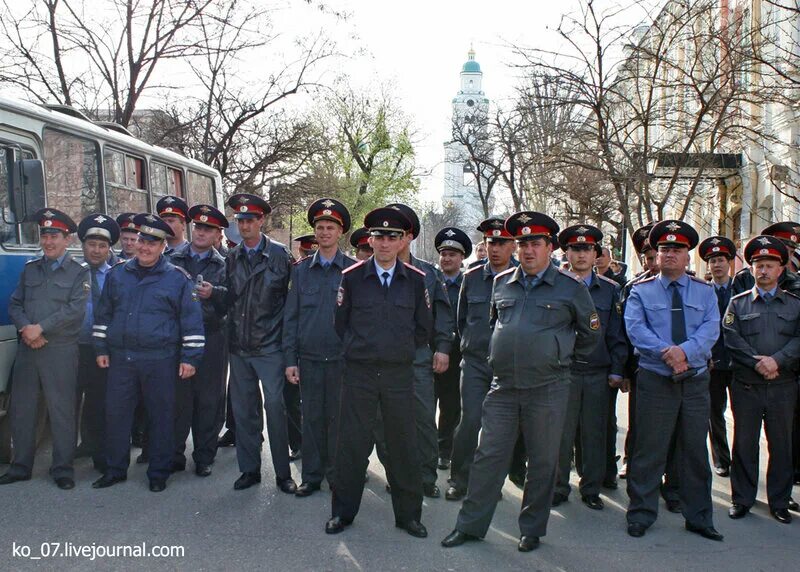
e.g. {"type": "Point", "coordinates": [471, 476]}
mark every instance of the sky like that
{"type": "Point", "coordinates": [419, 46]}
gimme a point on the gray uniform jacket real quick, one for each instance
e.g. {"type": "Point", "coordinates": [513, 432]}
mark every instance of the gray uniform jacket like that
{"type": "Point", "coordinates": [754, 327]}
{"type": "Point", "coordinates": [308, 330]}
{"type": "Point", "coordinates": [54, 299]}
{"type": "Point", "coordinates": [538, 332]}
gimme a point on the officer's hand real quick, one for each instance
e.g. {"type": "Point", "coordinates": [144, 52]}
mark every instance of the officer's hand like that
{"type": "Point", "coordinates": [102, 361]}
{"type": "Point", "coordinates": [767, 367]}
{"type": "Point", "coordinates": [680, 367]}
{"type": "Point", "coordinates": [185, 370]}
{"type": "Point", "coordinates": [626, 385]}
{"type": "Point", "coordinates": [615, 381]}
{"type": "Point", "coordinates": [672, 356]}
{"type": "Point", "coordinates": [38, 343]}
{"type": "Point", "coordinates": [293, 374]}
{"type": "Point", "coordinates": [441, 362]}
{"type": "Point", "coordinates": [31, 332]}
{"type": "Point", "coordinates": [204, 291]}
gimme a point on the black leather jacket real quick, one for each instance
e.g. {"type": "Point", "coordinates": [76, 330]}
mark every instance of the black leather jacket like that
{"type": "Point", "coordinates": [212, 269]}
{"type": "Point", "coordinates": [256, 297]}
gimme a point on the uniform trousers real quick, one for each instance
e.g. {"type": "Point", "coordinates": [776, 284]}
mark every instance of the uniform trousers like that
{"type": "Point", "coordinates": [247, 373]}
{"type": "Point", "coordinates": [425, 415]}
{"type": "Point", "coordinates": [476, 378]}
{"type": "Point", "coordinates": [294, 417]}
{"type": "Point", "coordinates": [717, 427]}
{"type": "Point", "coordinates": [154, 380]}
{"type": "Point", "coordinates": [540, 412]}
{"type": "Point", "coordinates": [663, 409]}
{"type": "Point", "coordinates": [48, 373]}
{"type": "Point", "coordinates": [587, 408]}
{"type": "Point", "coordinates": [448, 395]}
{"type": "Point", "coordinates": [366, 387]}
{"type": "Point", "coordinates": [773, 405]}
{"type": "Point", "coordinates": [92, 392]}
{"type": "Point", "coordinates": [320, 390]}
{"type": "Point", "coordinates": [199, 402]}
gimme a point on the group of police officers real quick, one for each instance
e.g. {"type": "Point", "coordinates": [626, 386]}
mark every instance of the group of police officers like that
{"type": "Point", "coordinates": [524, 358]}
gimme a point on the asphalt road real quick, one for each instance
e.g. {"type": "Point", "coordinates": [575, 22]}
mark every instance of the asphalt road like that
{"type": "Point", "coordinates": [218, 528]}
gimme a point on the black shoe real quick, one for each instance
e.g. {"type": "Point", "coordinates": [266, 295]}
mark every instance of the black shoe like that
{"type": "Point", "coordinates": [706, 532]}
{"type": "Point", "coordinates": [636, 529]}
{"type": "Point", "coordinates": [791, 506]}
{"type": "Point", "coordinates": [414, 528]}
{"type": "Point", "coordinates": [594, 502]}
{"type": "Point", "coordinates": [7, 479]}
{"type": "Point", "coordinates": [722, 471]}
{"type": "Point", "coordinates": [142, 459]}
{"type": "Point", "coordinates": [781, 515]}
{"type": "Point", "coordinates": [177, 467]}
{"type": "Point", "coordinates": [444, 464]}
{"type": "Point", "coordinates": [294, 454]}
{"type": "Point", "coordinates": [454, 493]}
{"type": "Point", "coordinates": [157, 485]}
{"type": "Point", "coordinates": [337, 525]}
{"type": "Point", "coordinates": [518, 480]}
{"type": "Point", "coordinates": [457, 538]}
{"type": "Point", "coordinates": [528, 543]}
{"type": "Point", "coordinates": [673, 506]}
{"type": "Point", "coordinates": [610, 484]}
{"type": "Point", "coordinates": [738, 511]}
{"type": "Point", "coordinates": [202, 470]}
{"type": "Point", "coordinates": [65, 483]}
{"type": "Point", "coordinates": [246, 481]}
{"type": "Point", "coordinates": [287, 486]}
{"type": "Point", "coordinates": [431, 491]}
{"type": "Point", "coordinates": [306, 489]}
{"type": "Point", "coordinates": [108, 480]}
{"type": "Point", "coordinates": [227, 440]}
{"type": "Point", "coordinates": [558, 499]}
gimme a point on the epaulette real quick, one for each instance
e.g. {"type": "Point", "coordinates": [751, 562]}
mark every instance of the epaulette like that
{"type": "Point", "coordinates": [570, 274]}
{"type": "Point", "coordinates": [33, 260]}
{"type": "Point", "coordinates": [791, 294]}
{"type": "Point", "coordinates": [607, 279]}
{"type": "Point", "coordinates": [81, 263]}
{"type": "Point", "coordinates": [182, 270]}
{"type": "Point", "coordinates": [354, 266]}
{"type": "Point", "coordinates": [414, 268]}
{"type": "Point", "coordinates": [298, 261]}
{"type": "Point", "coordinates": [700, 280]}
{"type": "Point", "coordinates": [118, 262]}
{"type": "Point", "coordinates": [504, 272]}
{"type": "Point", "coordinates": [741, 294]}
{"type": "Point", "coordinates": [472, 269]}
{"type": "Point", "coordinates": [645, 280]}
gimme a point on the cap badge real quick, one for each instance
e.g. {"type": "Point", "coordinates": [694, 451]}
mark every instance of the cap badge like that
{"type": "Point", "coordinates": [715, 241]}
{"type": "Point", "coordinates": [671, 237]}
{"type": "Point", "coordinates": [386, 223]}
{"type": "Point", "coordinates": [450, 233]}
{"type": "Point", "coordinates": [150, 218]}
{"type": "Point", "coordinates": [526, 230]}
{"type": "Point", "coordinates": [715, 249]}
{"type": "Point", "coordinates": [48, 223]}
{"type": "Point", "coordinates": [673, 226]}
{"type": "Point", "coordinates": [205, 209]}
{"type": "Point", "coordinates": [48, 214]}
{"type": "Point", "coordinates": [169, 200]}
{"type": "Point", "coordinates": [203, 218]}
{"type": "Point", "coordinates": [243, 209]}
{"type": "Point", "coordinates": [497, 232]}
{"type": "Point", "coordinates": [764, 251]}
{"type": "Point", "coordinates": [582, 230]}
{"type": "Point", "coordinates": [764, 240]}
{"type": "Point", "coordinates": [581, 239]}
{"type": "Point", "coordinates": [328, 203]}
{"type": "Point", "coordinates": [100, 219]}
{"type": "Point", "coordinates": [523, 218]}
{"type": "Point", "coordinates": [326, 212]}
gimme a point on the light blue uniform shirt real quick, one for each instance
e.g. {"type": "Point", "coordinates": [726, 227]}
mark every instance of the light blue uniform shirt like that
{"type": "Point", "coordinates": [380, 271]}
{"type": "Point", "coordinates": [648, 320]}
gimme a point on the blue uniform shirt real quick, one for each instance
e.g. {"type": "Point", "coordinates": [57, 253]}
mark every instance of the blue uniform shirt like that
{"type": "Point", "coordinates": [379, 271]}
{"type": "Point", "coordinates": [648, 321]}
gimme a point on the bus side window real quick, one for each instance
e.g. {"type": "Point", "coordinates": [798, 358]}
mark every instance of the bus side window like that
{"type": "Point", "coordinates": [72, 174]}
{"type": "Point", "coordinates": [125, 190]}
{"type": "Point", "coordinates": [28, 233]}
{"type": "Point", "coordinates": [201, 189]}
{"type": "Point", "coordinates": [165, 181]}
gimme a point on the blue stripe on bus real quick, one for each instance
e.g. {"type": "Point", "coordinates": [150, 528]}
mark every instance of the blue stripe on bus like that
{"type": "Point", "coordinates": [11, 266]}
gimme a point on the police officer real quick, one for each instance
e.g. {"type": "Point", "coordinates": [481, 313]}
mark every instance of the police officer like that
{"type": "Point", "coordinates": [306, 245]}
{"type": "Point", "coordinates": [453, 246]}
{"type": "Point", "coordinates": [148, 329]}
{"type": "Point", "coordinates": [719, 253]}
{"type": "Point", "coordinates": [312, 347]}
{"type": "Point", "coordinates": [762, 332]}
{"type": "Point", "coordinates": [543, 319]}
{"type": "Point", "coordinates": [474, 332]}
{"type": "Point", "coordinates": [588, 395]}
{"type": "Point", "coordinates": [200, 399]}
{"type": "Point", "coordinates": [672, 320]}
{"type": "Point", "coordinates": [128, 235]}
{"type": "Point", "coordinates": [258, 270]}
{"type": "Point", "coordinates": [359, 240]}
{"type": "Point", "coordinates": [97, 233]}
{"type": "Point", "coordinates": [431, 359]}
{"type": "Point", "coordinates": [382, 316]}
{"type": "Point", "coordinates": [47, 308]}
{"type": "Point", "coordinates": [175, 212]}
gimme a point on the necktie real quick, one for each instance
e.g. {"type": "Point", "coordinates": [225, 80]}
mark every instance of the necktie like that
{"type": "Point", "coordinates": [531, 282]}
{"type": "Point", "coordinates": [95, 288]}
{"type": "Point", "coordinates": [326, 265]}
{"type": "Point", "coordinates": [678, 317]}
{"type": "Point", "coordinates": [767, 296]}
{"type": "Point", "coordinates": [385, 277]}
{"type": "Point", "coordinates": [251, 257]}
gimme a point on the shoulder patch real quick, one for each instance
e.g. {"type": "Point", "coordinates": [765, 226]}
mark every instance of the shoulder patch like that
{"type": "Point", "coordinates": [570, 274]}
{"type": "Point", "coordinates": [594, 321]}
{"type": "Point", "coordinates": [414, 268]}
{"type": "Point", "coordinates": [729, 318]}
{"type": "Point", "coordinates": [354, 266]}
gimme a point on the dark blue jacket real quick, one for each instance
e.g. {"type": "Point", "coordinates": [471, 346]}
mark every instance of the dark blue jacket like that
{"type": "Point", "coordinates": [612, 350]}
{"type": "Point", "coordinates": [155, 317]}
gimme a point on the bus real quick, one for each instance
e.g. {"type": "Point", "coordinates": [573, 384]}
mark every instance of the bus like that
{"type": "Point", "coordinates": [55, 156]}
